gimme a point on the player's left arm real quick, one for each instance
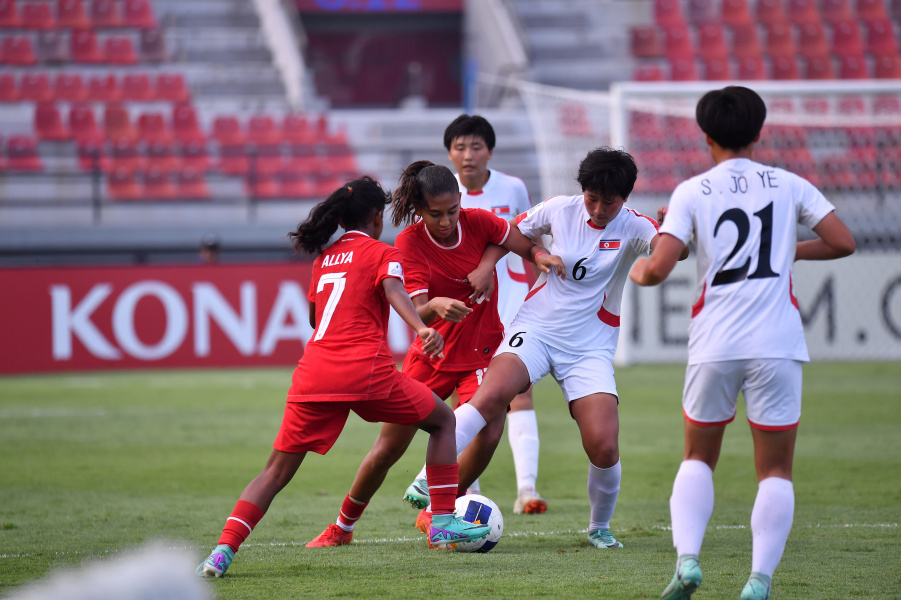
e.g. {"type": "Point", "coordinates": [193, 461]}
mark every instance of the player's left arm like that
{"type": "Point", "coordinates": [666, 251]}
{"type": "Point", "coordinates": [432, 342]}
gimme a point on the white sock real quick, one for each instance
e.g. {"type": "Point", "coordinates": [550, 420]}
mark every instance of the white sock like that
{"type": "Point", "coordinates": [771, 522]}
{"type": "Point", "coordinates": [469, 423]}
{"type": "Point", "coordinates": [522, 431]}
{"type": "Point", "coordinates": [343, 525]}
{"type": "Point", "coordinates": [691, 505]}
{"type": "Point", "coordinates": [603, 488]}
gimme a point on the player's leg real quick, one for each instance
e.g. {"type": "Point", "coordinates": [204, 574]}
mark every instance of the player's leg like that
{"type": "Point", "coordinates": [773, 396]}
{"type": "Point", "coordinates": [391, 444]}
{"type": "Point", "coordinates": [523, 436]}
{"type": "Point", "coordinates": [598, 420]}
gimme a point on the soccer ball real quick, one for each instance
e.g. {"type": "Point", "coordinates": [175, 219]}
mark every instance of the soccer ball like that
{"type": "Point", "coordinates": [476, 508]}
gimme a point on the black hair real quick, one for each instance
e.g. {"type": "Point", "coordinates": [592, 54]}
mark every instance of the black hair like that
{"type": "Point", "coordinates": [421, 180]}
{"type": "Point", "coordinates": [351, 206]}
{"type": "Point", "coordinates": [466, 125]}
{"type": "Point", "coordinates": [608, 172]}
{"type": "Point", "coordinates": [732, 116]}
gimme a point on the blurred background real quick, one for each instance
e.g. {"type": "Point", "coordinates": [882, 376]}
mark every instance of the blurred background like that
{"type": "Point", "coordinates": [140, 134]}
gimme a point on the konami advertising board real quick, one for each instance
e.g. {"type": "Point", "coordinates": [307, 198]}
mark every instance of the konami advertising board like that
{"type": "Point", "coordinates": [67, 319]}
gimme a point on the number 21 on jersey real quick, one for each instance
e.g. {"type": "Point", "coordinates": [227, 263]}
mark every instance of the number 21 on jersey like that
{"type": "Point", "coordinates": [337, 281]}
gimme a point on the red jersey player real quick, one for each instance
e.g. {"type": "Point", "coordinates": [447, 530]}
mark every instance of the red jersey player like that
{"type": "Point", "coordinates": [348, 366]}
{"type": "Point", "coordinates": [442, 252]}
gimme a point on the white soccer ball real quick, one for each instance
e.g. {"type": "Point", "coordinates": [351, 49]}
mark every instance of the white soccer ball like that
{"type": "Point", "coordinates": [476, 508]}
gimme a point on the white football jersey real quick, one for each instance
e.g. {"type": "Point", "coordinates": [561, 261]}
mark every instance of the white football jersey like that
{"type": "Point", "coordinates": [743, 217]}
{"type": "Point", "coordinates": [506, 197]}
{"type": "Point", "coordinates": [582, 312]}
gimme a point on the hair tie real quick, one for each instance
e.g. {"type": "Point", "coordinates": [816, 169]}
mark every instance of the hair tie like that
{"type": "Point", "coordinates": [350, 190]}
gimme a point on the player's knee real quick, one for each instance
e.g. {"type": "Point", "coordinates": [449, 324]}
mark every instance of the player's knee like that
{"type": "Point", "coordinates": [603, 455]}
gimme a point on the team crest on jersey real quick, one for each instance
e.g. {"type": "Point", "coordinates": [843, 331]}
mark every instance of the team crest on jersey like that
{"type": "Point", "coordinates": [396, 270]}
{"type": "Point", "coordinates": [609, 245]}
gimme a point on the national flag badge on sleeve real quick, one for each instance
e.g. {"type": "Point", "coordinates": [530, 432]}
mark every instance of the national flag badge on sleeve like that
{"type": "Point", "coordinates": [396, 270]}
{"type": "Point", "coordinates": [609, 245]}
{"type": "Point", "coordinates": [500, 210]}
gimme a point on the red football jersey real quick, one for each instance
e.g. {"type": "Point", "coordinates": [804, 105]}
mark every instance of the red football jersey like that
{"type": "Point", "coordinates": [440, 271]}
{"type": "Point", "coordinates": [348, 357]}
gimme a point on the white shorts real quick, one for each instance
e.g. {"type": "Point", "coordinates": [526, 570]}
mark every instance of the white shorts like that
{"type": "Point", "coordinates": [771, 387]}
{"type": "Point", "coordinates": [578, 375]}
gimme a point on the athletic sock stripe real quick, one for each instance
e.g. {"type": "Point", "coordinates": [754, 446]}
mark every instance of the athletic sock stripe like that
{"type": "Point", "coordinates": [438, 487]}
{"type": "Point", "coordinates": [344, 516]}
{"type": "Point", "coordinates": [242, 522]}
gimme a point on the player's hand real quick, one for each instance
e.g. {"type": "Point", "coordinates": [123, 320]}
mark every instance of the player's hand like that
{"type": "Point", "coordinates": [482, 282]}
{"type": "Point", "coordinates": [432, 342]}
{"type": "Point", "coordinates": [638, 269]}
{"type": "Point", "coordinates": [449, 309]}
{"type": "Point", "coordinates": [551, 262]}
{"type": "Point", "coordinates": [661, 213]}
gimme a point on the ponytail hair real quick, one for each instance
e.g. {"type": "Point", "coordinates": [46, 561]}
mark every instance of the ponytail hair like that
{"type": "Point", "coordinates": [351, 206]}
{"type": "Point", "coordinates": [421, 180]}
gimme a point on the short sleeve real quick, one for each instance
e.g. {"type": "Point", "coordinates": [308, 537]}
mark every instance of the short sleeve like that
{"type": "Point", "coordinates": [415, 267]}
{"type": "Point", "coordinates": [496, 229]}
{"type": "Point", "coordinates": [678, 221]}
{"type": "Point", "coordinates": [391, 265]}
{"type": "Point", "coordinates": [537, 220]}
{"type": "Point", "coordinates": [813, 204]}
{"type": "Point", "coordinates": [645, 231]}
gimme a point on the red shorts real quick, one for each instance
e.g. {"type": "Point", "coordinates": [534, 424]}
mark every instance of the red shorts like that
{"type": "Point", "coordinates": [315, 426]}
{"type": "Point", "coordinates": [443, 383]}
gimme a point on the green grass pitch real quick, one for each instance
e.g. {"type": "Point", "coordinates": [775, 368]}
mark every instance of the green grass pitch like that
{"type": "Point", "coordinates": [93, 465]}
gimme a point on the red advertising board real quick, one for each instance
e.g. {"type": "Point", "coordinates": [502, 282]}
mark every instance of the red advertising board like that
{"type": "Point", "coordinates": [71, 319]}
{"type": "Point", "coordinates": [379, 6]}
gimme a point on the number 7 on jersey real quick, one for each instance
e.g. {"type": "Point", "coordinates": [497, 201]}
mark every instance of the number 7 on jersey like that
{"type": "Point", "coordinates": [338, 282]}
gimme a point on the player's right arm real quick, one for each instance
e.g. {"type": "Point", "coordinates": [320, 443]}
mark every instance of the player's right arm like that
{"type": "Point", "coordinates": [432, 342]}
{"type": "Point", "coordinates": [834, 241]}
{"type": "Point", "coordinates": [448, 309]}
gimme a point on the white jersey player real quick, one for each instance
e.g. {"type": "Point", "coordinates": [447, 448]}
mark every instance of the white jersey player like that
{"type": "Point", "coordinates": [746, 333]}
{"type": "Point", "coordinates": [568, 326]}
{"type": "Point", "coordinates": [469, 140]}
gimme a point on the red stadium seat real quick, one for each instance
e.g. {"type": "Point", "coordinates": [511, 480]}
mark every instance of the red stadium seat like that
{"type": "Point", "coordinates": [48, 124]}
{"type": "Point", "coordinates": [890, 172]}
{"type": "Point", "coordinates": [701, 11]}
{"type": "Point", "coordinates": [858, 136]}
{"type": "Point", "coordinates": [751, 69]}
{"type": "Point", "coordinates": [139, 14]}
{"type": "Point", "coordinates": [784, 68]}
{"type": "Point", "coordinates": [8, 90]}
{"type": "Point", "coordinates": [716, 69]}
{"type": "Point", "coordinates": [157, 185]}
{"type": "Point", "coordinates": [801, 12]}
{"type": "Point", "coordinates": [117, 123]}
{"type": "Point", "coordinates": [658, 169]}
{"type": "Point", "coordinates": [84, 47]}
{"type": "Point", "coordinates": [105, 13]}
{"type": "Point", "coordinates": [263, 186]}
{"type": "Point", "coordinates": [261, 130]}
{"type": "Point", "coordinates": [341, 161]}
{"type": "Point", "coordinates": [17, 50]}
{"type": "Point", "coordinates": [184, 125]}
{"type": "Point", "coordinates": [37, 16]}
{"type": "Point", "coordinates": [266, 160]}
{"type": "Point", "coordinates": [303, 159]}
{"type": "Point", "coordinates": [846, 38]}
{"type": "Point", "coordinates": [171, 87]}
{"type": "Point", "coordinates": [871, 10]}
{"type": "Point", "coordinates": [159, 155]}
{"type": "Point", "coordinates": [22, 155]}
{"type": "Point", "coordinates": [667, 13]}
{"type": "Point", "coordinates": [9, 15]}
{"type": "Point", "coordinates": [233, 160]}
{"type": "Point", "coordinates": [71, 14]}
{"type": "Point", "coordinates": [834, 11]}
{"type": "Point", "coordinates": [711, 42]}
{"type": "Point", "coordinates": [83, 124]}
{"type": "Point", "coordinates": [888, 66]}
{"type": "Point", "coordinates": [152, 46]}
{"type": "Point", "coordinates": [735, 13]}
{"type": "Point", "coordinates": [191, 185]}
{"type": "Point", "coordinates": [683, 69]}
{"type": "Point", "coordinates": [813, 40]}
{"type": "Point", "coordinates": [90, 155]}
{"type": "Point", "coordinates": [296, 130]}
{"type": "Point", "coordinates": [194, 155]}
{"type": "Point", "coordinates": [645, 42]}
{"type": "Point", "coordinates": [35, 87]}
{"type": "Point", "coordinates": [296, 185]}
{"type": "Point", "coordinates": [645, 132]}
{"type": "Point", "coordinates": [104, 89]}
{"type": "Point", "coordinates": [120, 51]}
{"type": "Point", "coordinates": [770, 12]}
{"type": "Point", "coordinates": [227, 131]}
{"type": "Point", "coordinates": [647, 73]}
{"type": "Point", "coordinates": [51, 47]}
{"type": "Point", "coordinates": [853, 67]}
{"type": "Point", "coordinates": [682, 132]}
{"type": "Point", "coordinates": [152, 128]}
{"type": "Point", "coordinates": [780, 41]}
{"type": "Point", "coordinates": [137, 87]}
{"type": "Point", "coordinates": [122, 185]}
{"type": "Point", "coordinates": [881, 37]}
{"type": "Point", "coordinates": [678, 43]}
{"type": "Point", "coordinates": [819, 67]}
{"type": "Point", "coordinates": [853, 170]}
{"type": "Point", "coordinates": [745, 42]}
{"type": "Point", "coordinates": [124, 156]}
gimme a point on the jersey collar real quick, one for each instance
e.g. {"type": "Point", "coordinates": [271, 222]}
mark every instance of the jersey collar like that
{"type": "Point", "coordinates": [442, 246]}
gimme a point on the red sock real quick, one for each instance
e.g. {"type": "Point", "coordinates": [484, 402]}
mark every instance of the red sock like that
{"type": "Point", "coordinates": [238, 526]}
{"type": "Point", "coordinates": [443, 480]}
{"type": "Point", "coordinates": [350, 513]}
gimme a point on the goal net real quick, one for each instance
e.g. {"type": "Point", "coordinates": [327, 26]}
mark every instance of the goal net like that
{"type": "Point", "coordinates": [843, 136]}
